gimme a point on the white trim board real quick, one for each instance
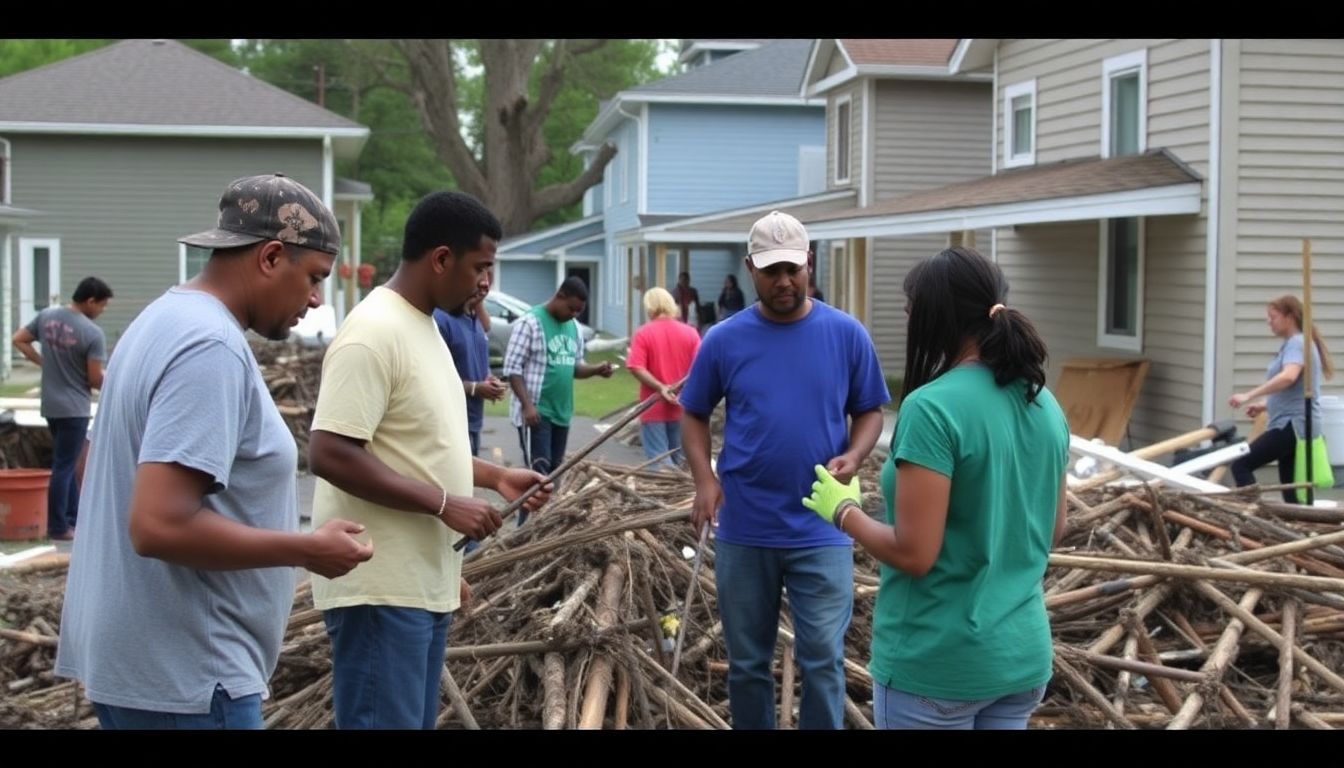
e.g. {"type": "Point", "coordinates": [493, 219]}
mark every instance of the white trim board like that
{"type": "Point", "coordinates": [1170, 200]}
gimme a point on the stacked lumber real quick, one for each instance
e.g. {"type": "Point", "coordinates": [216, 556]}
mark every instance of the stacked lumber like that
{"type": "Point", "coordinates": [292, 374]}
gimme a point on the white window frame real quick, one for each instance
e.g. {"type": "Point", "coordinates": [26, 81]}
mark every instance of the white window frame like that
{"type": "Point", "coordinates": [6, 172]}
{"type": "Point", "coordinates": [27, 299]}
{"type": "Point", "coordinates": [1115, 66]}
{"type": "Point", "coordinates": [1111, 340]}
{"type": "Point", "coordinates": [847, 101]}
{"type": "Point", "coordinates": [182, 262]}
{"type": "Point", "coordinates": [608, 181]}
{"type": "Point", "coordinates": [1010, 94]}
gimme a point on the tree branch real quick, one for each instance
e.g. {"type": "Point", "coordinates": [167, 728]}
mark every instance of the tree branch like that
{"type": "Point", "coordinates": [559, 195]}
{"type": "Point", "coordinates": [434, 81]}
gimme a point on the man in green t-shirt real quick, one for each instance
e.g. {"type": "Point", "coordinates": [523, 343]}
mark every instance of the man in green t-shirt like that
{"type": "Point", "coordinates": [544, 357]}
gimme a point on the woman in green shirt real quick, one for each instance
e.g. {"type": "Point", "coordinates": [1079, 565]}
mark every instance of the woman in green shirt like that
{"type": "Point", "coordinates": [974, 489]}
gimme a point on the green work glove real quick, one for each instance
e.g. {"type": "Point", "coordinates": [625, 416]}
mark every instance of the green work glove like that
{"type": "Point", "coordinates": [828, 495]}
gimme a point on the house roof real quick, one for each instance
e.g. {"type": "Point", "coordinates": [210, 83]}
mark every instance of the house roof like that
{"type": "Point", "coordinates": [159, 87]}
{"type": "Point", "coordinates": [349, 189]}
{"type": "Point", "coordinates": [928, 52]}
{"type": "Point", "coordinates": [897, 57]}
{"type": "Point", "coordinates": [1149, 184]}
{"type": "Point", "coordinates": [12, 216]}
{"type": "Point", "coordinates": [693, 45]}
{"type": "Point", "coordinates": [774, 69]}
{"type": "Point", "coordinates": [770, 75]}
{"type": "Point", "coordinates": [732, 225]}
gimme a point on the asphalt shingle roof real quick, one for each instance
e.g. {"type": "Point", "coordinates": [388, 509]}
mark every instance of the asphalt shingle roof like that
{"type": "Point", "coordinates": [154, 82]}
{"type": "Point", "coordinates": [774, 69]}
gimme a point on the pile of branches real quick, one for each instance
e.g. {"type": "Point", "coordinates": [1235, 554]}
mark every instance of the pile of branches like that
{"type": "Point", "coordinates": [292, 374]}
{"type": "Point", "coordinates": [1179, 610]}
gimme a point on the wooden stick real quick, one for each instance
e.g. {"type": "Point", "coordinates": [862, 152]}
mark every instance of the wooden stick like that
{"type": "Point", "coordinates": [1310, 720]}
{"type": "Point", "coordinates": [553, 687]}
{"type": "Point", "coordinates": [512, 508]}
{"type": "Point", "coordinates": [31, 638]}
{"type": "Point", "coordinates": [1261, 578]}
{"type": "Point", "coordinates": [500, 562]}
{"type": "Point", "coordinates": [1224, 652]}
{"type": "Point", "coordinates": [855, 715]}
{"type": "Point", "coordinates": [1152, 671]}
{"type": "Point", "coordinates": [1283, 701]}
{"type": "Point", "coordinates": [599, 677]}
{"type": "Point", "coordinates": [1314, 566]}
{"type": "Point", "coordinates": [575, 600]}
{"type": "Point", "coordinates": [622, 716]}
{"type": "Point", "coordinates": [1079, 683]}
{"type": "Point", "coordinates": [690, 593]}
{"type": "Point", "coordinates": [1238, 709]}
{"type": "Point", "coordinates": [1162, 686]}
{"type": "Point", "coordinates": [459, 701]}
{"type": "Point", "coordinates": [786, 688]}
{"type": "Point", "coordinates": [1275, 639]}
{"type": "Point", "coordinates": [703, 709]}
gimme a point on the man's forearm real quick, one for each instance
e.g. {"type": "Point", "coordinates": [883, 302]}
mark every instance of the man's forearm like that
{"type": "Point", "coordinates": [865, 428]}
{"type": "Point", "coordinates": [358, 472]}
{"type": "Point", "coordinates": [519, 388]}
{"type": "Point", "coordinates": [695, 445]}
{"type": "Point", "coordinates": [646, 378]}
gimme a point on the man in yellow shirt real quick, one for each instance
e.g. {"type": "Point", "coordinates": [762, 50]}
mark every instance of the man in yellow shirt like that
{"type": "Point", "coordinates": [391, 450]}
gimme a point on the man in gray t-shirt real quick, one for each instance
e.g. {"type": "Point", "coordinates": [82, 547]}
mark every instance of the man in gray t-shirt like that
{"type": "Point", "coordinates": [73, 353]}
{"type": "Point", "coordinates": [181, 579]}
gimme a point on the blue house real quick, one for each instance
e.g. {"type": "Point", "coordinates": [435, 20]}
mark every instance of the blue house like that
{"type": "Point", "coordinates": [698, 154]}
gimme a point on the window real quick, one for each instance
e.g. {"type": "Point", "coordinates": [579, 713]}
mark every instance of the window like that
{"type": "Point", "coordinates": [190, 261]}
{"type": "Point", "coordinates": [1124, 104]}
{"type": "Point", "coordinates": [1120, 296]}
{"type": "Point", "coordinates": [1019, 120]}
{"type": "Point", "coordinates": [842, 119]}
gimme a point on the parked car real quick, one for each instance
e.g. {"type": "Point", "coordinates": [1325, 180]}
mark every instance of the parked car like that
{"type": "Point", "coordinates": [504, 310]}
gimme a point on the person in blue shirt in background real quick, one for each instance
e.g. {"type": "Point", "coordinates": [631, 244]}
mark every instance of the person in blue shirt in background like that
{"type": "Point", "coordinates": [793, 372]}
{"type": "Point", "coordinates": [465, 334]}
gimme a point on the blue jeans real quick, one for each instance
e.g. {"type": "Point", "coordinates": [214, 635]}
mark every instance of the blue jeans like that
{"type": "Point", "coordinates": [225, 714]}
{"type": "Point", "coordinates": [545, 452]}
{"type": "Point", "coordinates": [386, 663]}
{"type": "Point", "coordinates": [820, 581]}
{"type": "Point", "coordinates": [659, 437]}
{"type": "Point", "coordinates": [893, 709]}
{"type": "Point", "coordinates": [67, 440]}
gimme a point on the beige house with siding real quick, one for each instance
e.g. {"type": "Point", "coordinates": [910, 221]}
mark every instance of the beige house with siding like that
{"type": "Point", "coordinates": [898, 121]}
{"type": "Point", "coordinates": [1147, 198]}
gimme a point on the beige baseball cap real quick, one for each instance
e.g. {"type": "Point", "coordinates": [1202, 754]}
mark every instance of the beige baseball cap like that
{"type": "Point", "coordinates": [777, 237]}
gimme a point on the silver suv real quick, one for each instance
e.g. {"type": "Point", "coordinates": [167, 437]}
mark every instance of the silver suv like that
{"type": "Point", "coordinates": [504, 309]}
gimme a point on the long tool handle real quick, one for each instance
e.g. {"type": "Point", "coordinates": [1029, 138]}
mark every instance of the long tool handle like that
{"type": "Point", "coordinates": [518, 503]}
{"type": "Point", "coordinates": [690, 592]}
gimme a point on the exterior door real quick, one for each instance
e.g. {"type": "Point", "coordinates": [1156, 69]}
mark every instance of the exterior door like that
{"type": "Point", "coordinates": [39, 276]}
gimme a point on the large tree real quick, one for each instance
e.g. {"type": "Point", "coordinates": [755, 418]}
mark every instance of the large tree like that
{"type": "Point", "coordinates": [520, 82]}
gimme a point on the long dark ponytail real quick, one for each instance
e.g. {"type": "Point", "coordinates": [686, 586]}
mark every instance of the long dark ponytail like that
{"type": "Point", "coordinates": [955, 296]}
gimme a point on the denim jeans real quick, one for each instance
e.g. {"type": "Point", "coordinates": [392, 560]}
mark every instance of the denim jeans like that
{"type": "Point", "coordinates": [67, 440]}
{"type": "Point", "coordinates": [820, 583]}
{"type": "Point", "coordinates": [386, 663]}
{"type": "Point", "coordinates": [225, 714]}
{"type": "Point", "coordinates": [545, 452]}
{"type": "Point", "coordinates": [893, 709]}
{"type": "Point", "coordinates": [659, 437]}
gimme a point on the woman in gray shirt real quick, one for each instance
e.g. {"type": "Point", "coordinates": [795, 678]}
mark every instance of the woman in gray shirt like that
{"type": "Point", "coordinates": [1287, 411]}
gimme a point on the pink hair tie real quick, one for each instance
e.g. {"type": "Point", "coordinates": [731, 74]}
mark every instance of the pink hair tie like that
{"type": "Point", "coordinates": [994, 310]}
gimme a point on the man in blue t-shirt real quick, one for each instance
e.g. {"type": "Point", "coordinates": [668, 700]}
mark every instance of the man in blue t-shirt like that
{"type": "Point", "coordinates": [464, 333]}
{"type": "Point", "coordinates": [792, 370]}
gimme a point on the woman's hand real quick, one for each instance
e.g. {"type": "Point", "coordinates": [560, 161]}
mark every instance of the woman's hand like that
{"type": "Point", "coordinates": [1255, 409]}
{"type": "Point", "coordinates": [1239, 399]}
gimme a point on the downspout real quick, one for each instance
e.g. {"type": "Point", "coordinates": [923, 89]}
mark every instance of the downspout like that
{"type": "Point", "coordinates": [1211, 227]}
{"type": "Point", "coordinates": [6, 246]}
{"type": "Point", "coordinates": [994, 143]}
{"type": "Point", "coordinates": [328, 183]}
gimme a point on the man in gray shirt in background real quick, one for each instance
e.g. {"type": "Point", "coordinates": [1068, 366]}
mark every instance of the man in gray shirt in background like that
{"type": "Point", "coordinates": [181, 580]}
{"type": "Point", "coordinates": [73, 353]}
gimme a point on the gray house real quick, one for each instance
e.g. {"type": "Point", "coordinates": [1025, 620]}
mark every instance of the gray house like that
{"type": "Point", "coordinates": [1146, 198]}
{"type": "Point", "coordinates": [106, 158]}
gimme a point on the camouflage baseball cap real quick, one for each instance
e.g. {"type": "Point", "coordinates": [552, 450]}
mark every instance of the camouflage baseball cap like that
{"type": "Point", "coordinates": [270, 207]}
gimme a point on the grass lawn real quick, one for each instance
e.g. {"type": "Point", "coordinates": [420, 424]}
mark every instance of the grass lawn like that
{"type": "Point", "coordinates": [15, 389]}
{"type": "Point", "coordinates": [595, 396]}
